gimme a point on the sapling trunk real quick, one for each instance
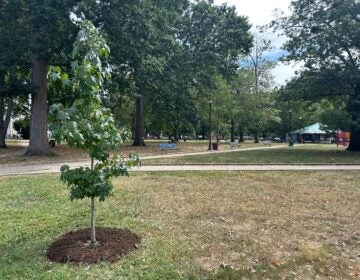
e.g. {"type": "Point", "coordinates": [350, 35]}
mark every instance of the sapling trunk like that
{"type": "Point", "coordinates": [92, 215]}
{"type": "Point", "coordinates": [92, 231]}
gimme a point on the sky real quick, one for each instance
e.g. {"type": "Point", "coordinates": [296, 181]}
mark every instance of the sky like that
{"type": "Point", "coordinates": [261, 12]}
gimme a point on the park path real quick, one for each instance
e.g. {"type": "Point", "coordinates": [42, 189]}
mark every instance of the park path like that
{"type": "Point", "coordinates": [55, 167]}
{"type": "Point", "coordinates": [28, 169]}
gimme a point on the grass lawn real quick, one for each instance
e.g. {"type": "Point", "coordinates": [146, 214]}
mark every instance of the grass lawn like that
{"type": "Point", "coordinates": [14, 154]}
{"type": "Point", "coordinates": [257, 225]}
{"type": "Point", "coordinates": [326, 154]}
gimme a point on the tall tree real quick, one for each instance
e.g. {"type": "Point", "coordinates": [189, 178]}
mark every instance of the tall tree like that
{"type": "Point", "coordinates": [325, 34]}
{"type": "Point", "coordinates": [50, 33]}
{"type": "Point", "coordinates": [46, 32]}
{"type": "Point", "coordinates": [14, 69]}
{"type": "Point", "coordinates": [214, 37]}
{"type": "Point", "coordinates": [260, 66]}
{"type": "Point", "coordinates": [6, 107]}
{"type": "Point", "coordinates": [142, 35]}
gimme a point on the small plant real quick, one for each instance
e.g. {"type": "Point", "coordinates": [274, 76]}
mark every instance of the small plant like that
{"type": "Point", "coordinates": [87, 124]}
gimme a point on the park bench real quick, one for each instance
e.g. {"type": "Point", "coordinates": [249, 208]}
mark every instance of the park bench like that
{"type": "Point", "coordinates": [169, 146]}
{"type": "Point", "coordinates": [234, 144]}
{"type": "Point", "coordinates": [266, 142]}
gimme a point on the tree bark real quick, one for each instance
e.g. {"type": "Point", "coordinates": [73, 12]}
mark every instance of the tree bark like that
{"type": "Point", "coordinates": [133, 120]}
{"type": "Point", "coordinates": [92, 222]}
{"type": "Point", "coordinates": [5, 118]}
{"type": "Point", "coordinates": [241, 136]}
{"type": "Point", "coordinates": [256, 136]}
{"type": "Point", "coordinates": [39, 143]}
{"type": "Point", "coordinates": [232, 130]}
{"type": "Point", "coordinates": [92, 214]}
{"type": "Point", "coordinates": [139, 122]}
{"type": "Point", "coordinates": [354, 140]}
{"type": "Point", "coordinates": [354, 109]}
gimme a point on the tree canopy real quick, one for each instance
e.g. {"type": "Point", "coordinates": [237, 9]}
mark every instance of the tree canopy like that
{"type": "Point", "coordinates": [324, 34]}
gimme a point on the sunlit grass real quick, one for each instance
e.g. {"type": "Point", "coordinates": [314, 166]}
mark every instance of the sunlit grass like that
{"type": "Point", "coordinates": [302, 154]}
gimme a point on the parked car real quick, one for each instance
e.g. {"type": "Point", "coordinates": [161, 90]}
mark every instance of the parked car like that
{"type": "Point", "coordinates": [277, 139]}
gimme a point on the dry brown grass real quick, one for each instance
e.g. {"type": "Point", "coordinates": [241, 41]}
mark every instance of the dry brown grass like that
{"type": "Point", "coordinates": [291, 224]}
{"type": "Point", "coordinates": [256, 225]}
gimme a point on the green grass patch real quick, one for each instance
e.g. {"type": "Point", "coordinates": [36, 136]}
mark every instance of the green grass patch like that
{"type": "Point", "coordinates": [200, 225]}
{"type": "Point", "coordinates": [304, 154]}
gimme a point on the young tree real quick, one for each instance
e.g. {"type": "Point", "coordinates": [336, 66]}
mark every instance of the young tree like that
{"type": "Point", "coordinates": [87, 124]}
{"type": "Point", "coordinates": [325, 35]}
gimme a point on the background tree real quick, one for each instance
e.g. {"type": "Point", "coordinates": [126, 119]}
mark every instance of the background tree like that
{"type": "Point", "coordinates": [241, 87]}
{"type": "Point", "coordinates": [260, 66]}
{"type": "Point", "coordinates": [142, 35]}
{"type": "Point", "coordinates": [301, 95]}
{"type": "Point", "coordinates": [14, 67]}
{"type": "Point", "coordinates": [43, 32]}
{"type": "Point", "coordinates": [324, 34]}
{"type": "Point", "coordinates": [212, 39]}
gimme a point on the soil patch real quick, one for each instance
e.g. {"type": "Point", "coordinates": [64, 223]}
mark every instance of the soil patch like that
{"type": "Point", "coordinates": [113, 244]}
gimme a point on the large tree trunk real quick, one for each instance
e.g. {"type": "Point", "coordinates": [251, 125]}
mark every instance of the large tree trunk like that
{"type": "Point", "coordinates": [139, 122]}
{"type": "Point", "coordinates": [5, 118]}
{"type": "Point", "coordinates": [354, 109]}
{"type": "Point", "coordinates": [256, 136]}
{"type": "Point", "coordinates": [241, 136]}
{"type": "Point", "coordinates": [39, 143]}
{"type": "Point", "coordinates": [6, 107]}
{"type": "Point", "coordinates": [133, 126]}
{"type": "Point", "coordinates": [354, 139]}
{"type": "Point", "coordinates": [232, 131]}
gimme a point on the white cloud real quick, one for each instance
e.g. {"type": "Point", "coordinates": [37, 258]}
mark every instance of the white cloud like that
{"type": "Point", "coordinates": [284, 72]}
{"type": "Point", "coordinates": [259, 12]}
{"type": "Point", "coordinates": [262, 12]}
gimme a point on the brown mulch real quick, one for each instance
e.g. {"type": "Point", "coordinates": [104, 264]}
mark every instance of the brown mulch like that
{"type": "Point", "coordinates": [113, 244]}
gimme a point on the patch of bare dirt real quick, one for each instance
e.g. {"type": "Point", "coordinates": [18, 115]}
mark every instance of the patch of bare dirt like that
{"type": "Point", "coordinates": [113, 244]}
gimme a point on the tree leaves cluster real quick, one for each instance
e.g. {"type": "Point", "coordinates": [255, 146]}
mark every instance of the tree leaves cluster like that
{"type": "Point", "coordinates": [164, 54]}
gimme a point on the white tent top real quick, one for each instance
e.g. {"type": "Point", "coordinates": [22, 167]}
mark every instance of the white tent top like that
{"type": "Point", "coordinates": [316, 128]}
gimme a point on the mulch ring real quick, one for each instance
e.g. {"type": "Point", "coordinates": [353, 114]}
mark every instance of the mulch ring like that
{"type": "Point", "coordinates": [112, 245]}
